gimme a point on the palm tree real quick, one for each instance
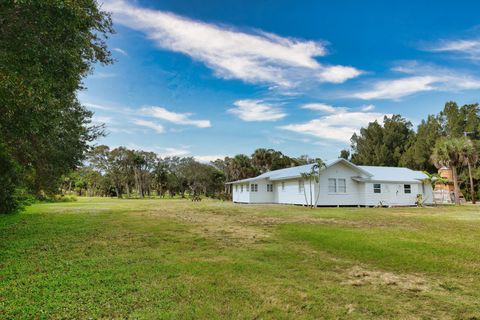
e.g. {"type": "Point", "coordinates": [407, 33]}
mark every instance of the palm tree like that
{"type": "Point", "coordinates": [313, 174]}
{"type": "Point", "coordinates": [453, 153]}
{"type": "Point", "coordinates": [305, 176]}
{"type": "Point", "coordinates": [318, 166]}
{"type": "Point", "coordinates": [263, 158]}
{"type": "Point", "coordinates": [241, 167]}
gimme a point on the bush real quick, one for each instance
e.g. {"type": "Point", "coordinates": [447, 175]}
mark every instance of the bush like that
{"type": "Point", "coordinates": [64, 198]}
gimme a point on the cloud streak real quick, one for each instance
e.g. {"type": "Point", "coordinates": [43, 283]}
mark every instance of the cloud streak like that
{"type": "Point", "coordinates": [255, 57]}
{"type": "Point", "coordinates": [121, 51]}
{"type": "Point", "coordinates": [158, 128]}
{"type": "Point", "coordinates": [174, 117]}
{"type": "Point", "coordinates": [465, 48]}
{"type": "Point", "coordinates": [338, 124]}
{"type": "Point", "coordinates": [418, 78]}
{"type": "Point", "coordinates": [256, 110]}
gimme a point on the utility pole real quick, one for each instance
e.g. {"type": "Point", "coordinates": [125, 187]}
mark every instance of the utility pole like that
{"type": "Point", "coordinates": [472, 189]}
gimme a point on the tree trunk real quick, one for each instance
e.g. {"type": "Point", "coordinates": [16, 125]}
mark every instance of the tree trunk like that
{"type": "Point", "coordinates": [305, 194]}
{"type": "Point", "coordinates": [472, 188]}
{"type": "Point", "coordinates": [455, 185]}
{"type": "Point", "coordinates": [318, 193]}
{"type": "Point", "coordinates": [117, 190]}
{"type": "Point", "coordinates": [311, 196]}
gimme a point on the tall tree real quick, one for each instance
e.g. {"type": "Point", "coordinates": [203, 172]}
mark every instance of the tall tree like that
{"type": "Point", "coordinates": [241, 167]}
{"type": "Point", "coordinates": [417, 156]}
{"type": "Point", "coordinates": [382, 145]}
{"type": "Point", "coordinates": [46, 48]}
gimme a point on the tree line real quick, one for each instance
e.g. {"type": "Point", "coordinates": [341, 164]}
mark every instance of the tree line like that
{"type": "Point", "coordinates": [122, 172]}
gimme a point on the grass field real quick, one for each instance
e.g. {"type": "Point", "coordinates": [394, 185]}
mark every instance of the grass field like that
{"type": "Point", "coordinates": [109, 258]}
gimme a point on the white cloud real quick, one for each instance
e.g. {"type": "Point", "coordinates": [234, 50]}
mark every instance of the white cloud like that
{"type": "Point", "coordinates": [467, 48]}
{"type": "Point", "coordinates": [368, 107]}
{"type": "Point", "coordinates": [338, 74]}
{"type": "Point", "coordinates": [420, 78]}
{"type": "Point", "coordinates": [338, 125]}
{"type": "Point", "coordinates": [208, 158]}
{"type": "Point", "coordinates": [149, 124]}
{"type": "Point", "coordinates": [255, 57]}
{"type": "Point", "coordinates": [394, 89]}
{"type": "Point", "coordinates": [256, 110]}
{"type": "Point", "coordinates": [96, 106]}
{"type": "Point", "coordinates": [178, 118]}
{"type": "Point", "coordinates": [174, 152]}
{"type": "Point", "coordinates": [121, 51]}
{"type": "Point", "coordinates": [323, 107]}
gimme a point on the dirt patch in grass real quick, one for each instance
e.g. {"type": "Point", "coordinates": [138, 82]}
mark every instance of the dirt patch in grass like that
{"type": "Point", "coordinates": [238, 228]}
{"type": "Point", "coordinates": [360, 276]}
{"type": "Point", "coordinates": [227, 229]}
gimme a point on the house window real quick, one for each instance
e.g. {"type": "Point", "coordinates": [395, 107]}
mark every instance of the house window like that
{"type": "Point", "coordinates": [332, 185]}
{"type": "Point", "coordinates": [256, 187]}
{"type": "Point", "coordinates": [377, 188]}
{"type": "Point", "coordinates": [269, 187]}
{"type": "Point", "coordinates": [283, 186]}
{"type": "Point", "coordinates": [301, 185]}
{"type": "Point", "coordinates": [241, 188]}
{"type": "Point", "coordinates": [342, 185]}
{"type": "Point", "coordinates": [407, 188]}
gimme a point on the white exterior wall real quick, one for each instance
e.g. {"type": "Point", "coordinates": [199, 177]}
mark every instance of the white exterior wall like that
{"type": "Point", "coordinates": [262, 195]}
{"type": "Point", "coordinates": [428, 194]}
{"type": "Point", "coordinates": [238, 195]}
{"type": "Point", "coordinates": [354, 190]}
{"type": "Point", "coordinates": [290, 194]}
{"type": "Point", "coordinates": [392, 194]}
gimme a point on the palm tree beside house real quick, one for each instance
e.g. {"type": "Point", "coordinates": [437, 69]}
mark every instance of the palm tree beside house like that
{"type": "Point", "coordinates": [453, 153]}
{"type": "Point", "coordinates": [313, 175]}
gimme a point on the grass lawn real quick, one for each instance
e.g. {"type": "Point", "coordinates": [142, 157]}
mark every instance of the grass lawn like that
{"type": "Point", "coordinates": [163, 259]}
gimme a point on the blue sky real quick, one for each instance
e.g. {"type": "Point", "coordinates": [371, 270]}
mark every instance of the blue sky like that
{"type": "Point", "coordinates": [217, 78]}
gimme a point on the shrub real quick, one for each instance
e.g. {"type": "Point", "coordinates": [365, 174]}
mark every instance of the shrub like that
{"type": "Point", "coordinates": [64, 198]}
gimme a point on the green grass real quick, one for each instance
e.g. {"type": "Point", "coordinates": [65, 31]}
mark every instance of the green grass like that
{"type": "Point", "coordinates": [163, 259]}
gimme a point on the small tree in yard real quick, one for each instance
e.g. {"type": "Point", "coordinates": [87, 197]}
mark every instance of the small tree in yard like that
{"type": "Point", "coordinates": [313, 174]}
{"type": "Point", "coordinates": [453, 153]}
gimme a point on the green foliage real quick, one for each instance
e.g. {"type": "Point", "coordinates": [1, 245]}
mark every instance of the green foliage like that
{"type": "Point", "coordinates": [417, 155]}
{"type": "Point", "coordinates": [379, 145]}
{"type": "Point", "coordinates": [46, 48]}
{"type": "Point", "coordinates": [64, 198]}
{"type": "Point", "coordinates": [344, 154]}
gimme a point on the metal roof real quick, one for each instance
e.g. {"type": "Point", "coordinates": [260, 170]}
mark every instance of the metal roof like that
{"type": "Point", "coordinates": [394, 174]}
{"type": "Point", "coordinates": [371, 173]}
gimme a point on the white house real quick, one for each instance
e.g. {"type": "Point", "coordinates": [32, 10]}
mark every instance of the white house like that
{"type": "Point", "coordinates": [341, 184]}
